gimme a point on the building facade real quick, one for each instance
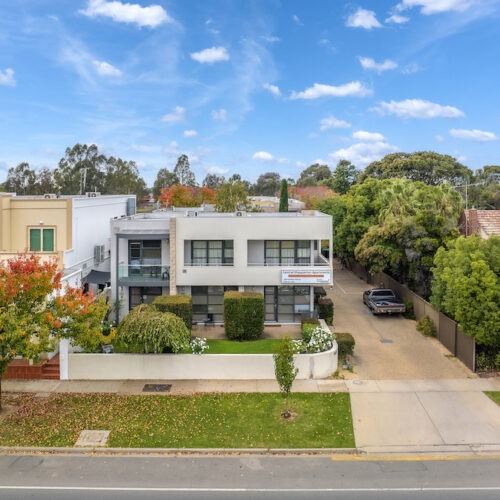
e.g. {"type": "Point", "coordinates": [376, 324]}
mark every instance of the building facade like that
{"type": "Point", "coordinates": [206, 254]}
{"type": "Point", "coordinates": [73, 230]}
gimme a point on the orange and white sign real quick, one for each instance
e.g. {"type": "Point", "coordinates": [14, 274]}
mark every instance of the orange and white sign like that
{"type": "Point", "coordinates": [306, 276]}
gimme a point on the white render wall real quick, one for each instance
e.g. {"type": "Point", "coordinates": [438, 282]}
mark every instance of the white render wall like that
{"type": "Point", "coordinates": [194, 367]}
{"type": "Point", "coordinates": [241, 230]}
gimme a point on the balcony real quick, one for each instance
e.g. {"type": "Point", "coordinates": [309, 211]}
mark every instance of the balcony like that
{"type": "Point", "coordinates": [144, 274]}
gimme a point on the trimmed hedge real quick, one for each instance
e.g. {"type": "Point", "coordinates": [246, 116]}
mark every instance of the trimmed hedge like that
{"type": "Point", "coordinates": [325, 309]}
{"type": "Point", "coordinates": [243, 315]}
{"type": "Point", "coordinates": [346, 343]}
{"type": "Point", "coordinates": [180, 305]}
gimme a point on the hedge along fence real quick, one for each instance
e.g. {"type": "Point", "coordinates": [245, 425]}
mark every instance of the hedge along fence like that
{"type": "Point", "coordinates": [243, 315]}
{"type": "Point", "coordinates": [180, 305]}
{"type": "Point", "coordinates": [325, 307]}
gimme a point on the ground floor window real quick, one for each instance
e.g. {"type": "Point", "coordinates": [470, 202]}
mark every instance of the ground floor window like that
{"type": "Point", "coordinates": [286, 304]}
{"type": "Point", "coordinates": [143, 295]}
{"type": "Point", "coordinates": [208, 302]}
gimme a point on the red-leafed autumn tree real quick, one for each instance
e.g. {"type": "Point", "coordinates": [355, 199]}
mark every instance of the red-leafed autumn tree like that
{"type": "Point", "coordinates": [179, 195]}
{"type": "Point", "coordinates": [36, 311]}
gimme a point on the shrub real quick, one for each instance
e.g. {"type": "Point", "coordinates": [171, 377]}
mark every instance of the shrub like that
{"type": "Point", "coordinates": [485, 361]}
{"type": "Point", "coordinates": [243, 315]}
{"type": "Point", "coordinates": [426, 327]}
{"type": "Point", "coordinates": [325, 306]}
{"type": "Point", "coordinates": [180, 305]}
{"type": "Point", "coordinates": [146, 326]}
{"type": "Point", "coordinates": [311, 321]}
{"type": "Point", "coordinates": [285, 371]}
{"type": "Point", "coordinates": [198, 345]}
{"type": "Point", "coordinates": [321, 340]}
{"type": "Point", "coordinates": [346, 344]}
{"type": "Point", "coordinates": [319, 292]}
{"type": "Point", "coordinates": [410, 312]}
{"type": "Point", "coordinates": [307, 329]}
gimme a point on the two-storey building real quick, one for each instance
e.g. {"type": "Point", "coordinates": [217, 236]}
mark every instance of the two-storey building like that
{"type": "Point", "coordinates": [205, 254]}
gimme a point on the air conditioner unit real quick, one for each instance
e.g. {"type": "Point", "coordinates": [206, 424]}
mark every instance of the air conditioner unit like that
{"type": "Point", "coordinates": [48, 196]}
{"type": "Point", "coordinates": [99, 253]}
{"type": "Point", "coordinates": [93, 194]}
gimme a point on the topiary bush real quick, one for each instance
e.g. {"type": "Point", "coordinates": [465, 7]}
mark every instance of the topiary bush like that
{"type": "Point", "coordinates": [346, 344]}
{"type": "Point", "coordinates": [180, 305]}
{"type": "Point", "coordinates": [325, 307]}
{"type": "Point", "coordinates": [233, 324]}
{"type": "Point", "coordinates": [410, 311]}
{"type": "Point", "coordinates": [427, 327]}
{"type": "Point", "coordinates": [155, 331]}
{"type": "Point", "coordinates": [252, 315]}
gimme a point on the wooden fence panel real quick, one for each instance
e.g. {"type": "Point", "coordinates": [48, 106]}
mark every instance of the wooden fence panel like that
{"type": "Point", "coordinates": [466, 350]}
{"type": "Point", "coordinates": [447, 333]}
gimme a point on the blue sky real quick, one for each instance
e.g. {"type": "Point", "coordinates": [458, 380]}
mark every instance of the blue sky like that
{"type": "Point", "coordinates": [249, 86]}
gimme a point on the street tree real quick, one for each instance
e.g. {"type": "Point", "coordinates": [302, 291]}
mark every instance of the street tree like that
{"type": "Point", "coordinates": [35, 311]}
{"type": "Point", "coordinates": [183, 172]}
{"type": "Point", "coordinates": [466, 286]}
{"type": "Point", "coordinates": [314, 175]}
{"type": "Point", "coordinates": [213, 181]}
{"type": "Point", "coordinates": [284, 196]}
{"type": "Point", "coordinates": [20, 179]}
{"type": "Point", "coordinates": [425, 166]}
{"type": "Point", "coordinates": [164, 180]}
{"type": "Point", "coordinates": [122, 177]}
{"type": "Point", "coordinates": [230, 197]}
{"type": "Point", "coordinates": [285, 371]}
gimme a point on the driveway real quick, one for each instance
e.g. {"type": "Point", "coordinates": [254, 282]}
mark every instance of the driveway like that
{"type": "Point", "coordinates": [387, 348]}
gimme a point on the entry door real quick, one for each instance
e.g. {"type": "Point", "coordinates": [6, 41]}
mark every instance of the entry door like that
{"type": "Point", "coordinates": [271, 303]}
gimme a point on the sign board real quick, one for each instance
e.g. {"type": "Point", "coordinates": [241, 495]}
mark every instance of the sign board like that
{"type": "Point", "coordinates": [306, 276]}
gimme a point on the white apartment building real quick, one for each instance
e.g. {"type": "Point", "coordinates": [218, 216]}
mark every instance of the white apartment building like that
{"type": "Point", "coordinates": [205, 254]}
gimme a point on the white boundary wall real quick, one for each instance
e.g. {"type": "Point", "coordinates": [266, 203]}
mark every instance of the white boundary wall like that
{"type": "Point", "coordinates": [194, 367]}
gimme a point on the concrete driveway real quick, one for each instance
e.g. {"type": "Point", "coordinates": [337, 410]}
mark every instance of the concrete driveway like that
{"type": "Point", "coordinates": [387, 348]}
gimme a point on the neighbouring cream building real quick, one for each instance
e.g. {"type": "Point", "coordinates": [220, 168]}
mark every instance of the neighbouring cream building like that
{"type": "Point", "coordinates": [73, 230]}
{"type": "Point", "coordinates": [205, 254]}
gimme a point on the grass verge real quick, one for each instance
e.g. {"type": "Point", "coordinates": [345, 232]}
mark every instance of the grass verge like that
{"type": "Point", "coordinates": [246, 420]}
{"type": "Point", "coordinates": [494, 395]}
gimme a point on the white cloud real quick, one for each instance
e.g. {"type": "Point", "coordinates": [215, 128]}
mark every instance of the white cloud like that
{"type": "Point", "coordinates": [439, 138]}
{"type": "Point", "coordinates": [190, 133]}
{"type": "Point", "coordinates": [473, 135]}
{"type": "Point", "coordinates": [411, 68]}
{"type": "Point", "coordinates": [417, 108]}
{"type": "Point", "coordinates": [176, 116]}
{"type": "Point", "coordinates": [103, 68]}
{"type": "Point", "coordinates": [300, 164]}
{"type": "Point", "coordinates": [275, 90]}
{"type": "Point", "coordinates": [369, 63]}
{"type": "Point", "coordinates": [297, 21]}
{"type": "Point", "coordinates": [263, 155]}
{"type": "Point", "coordinates": [211, 55]}
{"type": "Point", "coordinates": [7, 77]}
{"type": "Point", "coordinates": [397, 19]}
{"type": "Point", "coordinates": [320, 90]}
{"type": "Point", "coordinates": [271, 39]}
{"type": "Point", "coordinates": [332, 122]}
{"type": "Point", "coordinates": [363, 136]}
{"type": "Point", "coordinates": [363, 18]}
{"type": "Point", "coordinates": [151, 16]}
{"type": "Point", "coordinates": [428, 7]}
{"type": "Point", "coordinates": [217, 170]}
{"type": "Point", "coordinates": [363, 153]}
{"type": "Point", "coordinates": [219, 115]}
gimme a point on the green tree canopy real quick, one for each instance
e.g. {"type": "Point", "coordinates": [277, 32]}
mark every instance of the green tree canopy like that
{"type": "Point", "coordinates": [284, 196]}
{"type": "Point", "coordinates": [183, 172]}
{"type": "Point", "coordinates": [343, 177]}
{"type": "Point", "coordinates": [230, 197]}
{"type": "Point", "coordinates": [314, 175]}
{"type": "Point", "coordinates": [213, 181]}
{"type": "Point", "coordinates": [164, 180]}
{"type": "Point", "coordinates": [425, 166]}
{"type": "Point", "coordinates": [285, 371]}
{"type": "Point", "coordinates": [267, 184]}
{"type": "Point", "coordinates": [466, 286]}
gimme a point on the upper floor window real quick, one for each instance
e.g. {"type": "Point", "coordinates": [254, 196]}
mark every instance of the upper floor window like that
{"type": "Point", "coordinates": [145, 251]}
{"type": "Point", "coordinates": [287, 252]}
{"type": "Point", "coordinates": [42, 239]}
{"type": "Point", "coordinates": [212, 252]}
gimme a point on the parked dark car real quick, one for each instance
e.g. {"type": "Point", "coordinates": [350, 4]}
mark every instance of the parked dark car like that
{"type": "Point", "coordinates": [383, 301]}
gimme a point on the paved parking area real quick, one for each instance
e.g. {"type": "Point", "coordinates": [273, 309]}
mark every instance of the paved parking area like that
{"type": "Point", "coordinates": [387, 347]}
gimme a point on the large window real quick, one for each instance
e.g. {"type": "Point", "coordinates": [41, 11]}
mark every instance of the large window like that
{"type": "Point", "coordinates": [287, 253]}
{"type": "Point", "coordinates": [212, 253]}
{"type": "Point", "coordinates": [286, 304]}
{"type": "Point", "coordinates": [42, 239]}
{"type": "Point", "coordinates": [208, 302]}
{"type": "Point", "coordinates": [142, 295]}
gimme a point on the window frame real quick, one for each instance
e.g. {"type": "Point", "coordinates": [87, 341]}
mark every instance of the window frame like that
{"type": "Point", "coordinates": [281, 259]}
{"type": "Point", "coordinates": [208, 253]}
{"type": "Point", "coordinates": [42, 239]}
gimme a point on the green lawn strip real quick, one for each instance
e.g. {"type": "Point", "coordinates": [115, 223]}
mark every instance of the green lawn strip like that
{"type": "Point", "coordinates": [215, 420]}
{"type": "Point", "coordinates": [494, 395]}
{"type": "Point", "coordinates": [261, 346]}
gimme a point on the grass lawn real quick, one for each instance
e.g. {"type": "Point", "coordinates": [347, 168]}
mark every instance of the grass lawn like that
{"type": "Point", "coordinates": [250, 420]}
{"type": "Point", "coordinates": [494, 395]}
{"type": "Point", "coordinates": [261, 346]}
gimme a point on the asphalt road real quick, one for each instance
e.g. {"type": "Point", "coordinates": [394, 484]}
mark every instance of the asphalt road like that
{"type": "Point", "coordinates": [246, 477]}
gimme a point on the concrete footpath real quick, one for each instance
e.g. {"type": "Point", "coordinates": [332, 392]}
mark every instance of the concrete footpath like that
{"type": "Point", "coordinates": [390, 416]}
